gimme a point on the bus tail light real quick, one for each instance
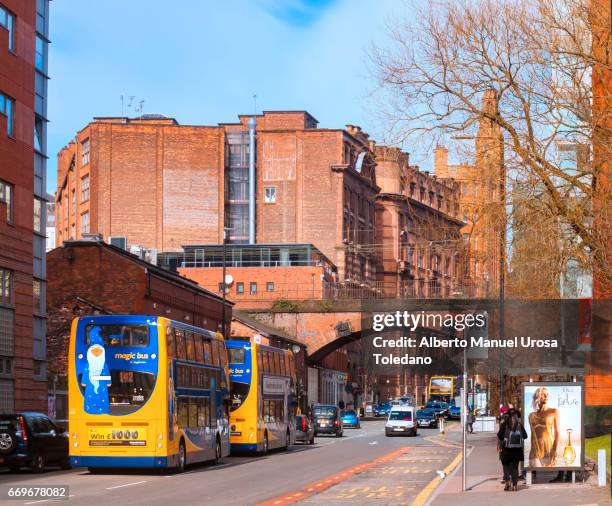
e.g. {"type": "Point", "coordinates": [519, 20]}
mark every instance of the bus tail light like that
{"type": "Point", "coordinates": [160, 436]}
{"type": "Point", "coordinates": [24, 434]}
{"type": "Point", "coordinates": [160, 445]}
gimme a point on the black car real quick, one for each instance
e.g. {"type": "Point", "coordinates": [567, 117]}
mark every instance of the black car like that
{"type": "Point", "coordinates": [327, 420]}
{"type": "Point", "coordinates": [304, 430]}
{"type": "Point", "coordinates": [33, 440]}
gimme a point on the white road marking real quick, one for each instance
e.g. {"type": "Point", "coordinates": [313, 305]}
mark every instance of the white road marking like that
{"type": "Point", "coordinates": [126, 485]}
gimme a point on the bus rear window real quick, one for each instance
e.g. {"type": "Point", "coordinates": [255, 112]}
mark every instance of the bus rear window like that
{"type": "Point", "coordinates": [235, 355]}
{"type": "Point", "coordinates": [120, 335]}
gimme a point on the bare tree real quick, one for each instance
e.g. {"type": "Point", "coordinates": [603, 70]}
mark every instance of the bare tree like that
{"type": "Point", "coordinates": [538, 57]}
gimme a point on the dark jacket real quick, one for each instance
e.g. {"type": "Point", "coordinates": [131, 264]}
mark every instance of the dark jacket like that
{"type": "Point", "coordinates": [510, 454]}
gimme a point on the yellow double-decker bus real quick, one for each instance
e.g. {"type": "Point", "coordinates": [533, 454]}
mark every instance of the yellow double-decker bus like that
{"type": "Point", "coordinates": [442, 388]}
{"type": "Point", "coordinates": [145, 391]}
{"type": "Point", "coordinates": [262, 397]}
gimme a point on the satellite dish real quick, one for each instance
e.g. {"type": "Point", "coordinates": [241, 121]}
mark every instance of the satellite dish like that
{"type": "Point", "coordinates": [229, 279]}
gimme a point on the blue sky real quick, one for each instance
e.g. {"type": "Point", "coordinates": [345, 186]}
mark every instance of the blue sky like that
{"type": "Point", "coordinates": [201, 61]}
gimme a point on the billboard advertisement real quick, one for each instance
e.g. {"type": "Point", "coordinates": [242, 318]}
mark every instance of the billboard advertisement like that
{"type": "Point", "coordinates": [553, 418]}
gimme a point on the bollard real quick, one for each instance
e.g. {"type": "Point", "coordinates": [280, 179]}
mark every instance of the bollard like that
{"type": "Point", "coordinates": [601, 467]}
{"type": "Point", "coordinates": [441, 425]}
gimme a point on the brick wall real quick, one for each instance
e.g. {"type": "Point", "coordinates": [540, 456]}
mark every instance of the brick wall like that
{"type": "Point", "coordinates": [155, 182]}
{"type": "Point", "coordinates": [17, 169]}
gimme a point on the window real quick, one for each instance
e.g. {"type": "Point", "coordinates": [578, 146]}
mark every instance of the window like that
{"type": "Point", "coordinates": [240, 288]}
{"type": "Point", "coordinates": [73, 202]}
{"type": "Point", "coordinates": [253, 288]}
{"type": "Point", "coordinates": [6, 287]}
{"type": "Point", "coordinates": [6, 196]}
{"type": "Point", "coordinates": [38, 134]}
{"type": "Point", "coordinates": [199, 348]}
{"type": "Point", "coordinates": [269, 195]}
{"type": "Point", "coordinates": [85, 223]}
{"type": "Point", "coordinates": [6, 366]}
{"type": "Point", "coordinates": [180, 343]}
{"type": "Point", "coordinates": [37, 296]}
{"type": "Point", "coordinates": [7, 107]}
{"type": "Point", "coordinates": [7, 337]}
{"type": "Point", "coordinates": [85, 188]}
{"type": "Point", "coordinates": [73, 231]}
{"type": "Point", "coordinates": [39, 61]}
{"type": "Point", "coordinates": [6, 396]}
{"type": "Point", "coordinates": [38, 219]}
{"type": "Point", "coordinates": [85, 152]}
{"type": "Point", "coordinates": [190, 348]}
{"type": "Point", "coordinates": [7, 20]}
{"type": "Point", "coordinates": [269, 286]}
{"type": "Point", "coordinates": [120, 335]}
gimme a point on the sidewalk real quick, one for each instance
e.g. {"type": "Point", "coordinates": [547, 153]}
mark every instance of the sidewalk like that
{"type": "Point", "coordinates": [483, 480]}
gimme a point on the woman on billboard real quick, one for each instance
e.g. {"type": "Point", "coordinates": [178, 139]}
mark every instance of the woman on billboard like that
{"type": "Point", "coordinates": [544, 423]}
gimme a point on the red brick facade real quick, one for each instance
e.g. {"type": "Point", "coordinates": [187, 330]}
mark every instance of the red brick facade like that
{"type": "Point", "coordinates": [157, 183]}
{"type": "Point", "coordinates": [418, 227]}
{"type": "Point", "coordinates": [161, 185]}
{"type": "Point", "coordinates": [18, 387]}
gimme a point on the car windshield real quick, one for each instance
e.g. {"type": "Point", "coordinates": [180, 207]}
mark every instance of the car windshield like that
{"type": "Point", "coordinates": [405, 416]}
{"type": "Point", "coordinates": [324, 410]}
{"type": "Point", "coordinates": [349, 412]}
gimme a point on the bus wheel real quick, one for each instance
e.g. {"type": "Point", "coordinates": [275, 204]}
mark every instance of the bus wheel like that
{"type": "Point", "coordinates": [264, 450]}
{"type": "Point", "coordinates": [217, 451]}
{"type": "Point", "coordinates": [182, 458]}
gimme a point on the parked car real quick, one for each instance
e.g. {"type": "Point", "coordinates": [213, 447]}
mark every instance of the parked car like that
{"type": "Point", "coordinates": [441, 408]}
{"type": "Point", "coordinates": [426, 417]}
{"type": "Point", "coordinates": [454, 412]}
{"type": "Point", "coordinates": [327, 420]}
{"type": "Point", "coordinates": [402, 420]}
{"type": "Point", "coordinates": [350, 419]}
{"type": "Point", "coordinates": [382, 409]}
{"type": "Point", "coordinates": [304, 430]}
{"type": "Point", "coordinates": [33, 440]}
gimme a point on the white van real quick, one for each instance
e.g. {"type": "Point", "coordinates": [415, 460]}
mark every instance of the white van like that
{"type": "Point", "coordinates": [401, 420]}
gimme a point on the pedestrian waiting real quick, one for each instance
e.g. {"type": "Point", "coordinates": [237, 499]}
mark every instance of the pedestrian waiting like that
{"type": "Point", "coordinates": [511, 437]}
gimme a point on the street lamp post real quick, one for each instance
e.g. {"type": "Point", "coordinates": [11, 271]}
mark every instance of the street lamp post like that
{"type": "Point", "coordinates": [223, 283]}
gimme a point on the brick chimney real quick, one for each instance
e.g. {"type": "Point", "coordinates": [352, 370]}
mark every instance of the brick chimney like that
{"type": "Point", "coordinates": [441, 161]}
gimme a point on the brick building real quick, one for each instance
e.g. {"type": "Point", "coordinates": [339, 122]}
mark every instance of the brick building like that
{"type": "Point", "coordinates": [262, 273]}
{"type": "Point", "coordinates": [92, 277]}
{"type": "Point", "coordinates": [153, 183]}
{"type": "Point", "coordinates": [418, 229]}
{"type": "Point", "coordinates": [23, 111]}
{"type": "Point", "coordinates": [481, 202]}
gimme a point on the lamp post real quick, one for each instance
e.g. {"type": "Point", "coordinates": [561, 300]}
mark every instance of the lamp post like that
{"type": "Point", "coordinates": [223, 282]}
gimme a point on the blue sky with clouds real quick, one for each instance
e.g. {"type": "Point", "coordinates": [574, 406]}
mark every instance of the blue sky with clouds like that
{"type": "Point", "coordinates": [201, 61]}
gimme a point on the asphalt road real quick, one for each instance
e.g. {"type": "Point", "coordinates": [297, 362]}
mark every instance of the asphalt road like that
{"type": "Point", "coordinates": [235, 481]}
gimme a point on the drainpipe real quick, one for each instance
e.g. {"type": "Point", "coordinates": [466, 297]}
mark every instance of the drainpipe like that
{"type": "Point", "coordinates": [252, 181]}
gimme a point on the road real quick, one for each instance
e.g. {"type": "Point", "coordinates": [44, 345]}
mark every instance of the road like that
{"type": "Point", "coordinates": [249, 480]}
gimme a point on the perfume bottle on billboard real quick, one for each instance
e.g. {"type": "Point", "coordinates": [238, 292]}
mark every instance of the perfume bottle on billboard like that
{"type": "Point", "coordinates": [569, 454]}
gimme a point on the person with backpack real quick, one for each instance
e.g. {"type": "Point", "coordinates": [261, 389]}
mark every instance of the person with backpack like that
{"type": "Point", "coordinates": [511, 438]}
